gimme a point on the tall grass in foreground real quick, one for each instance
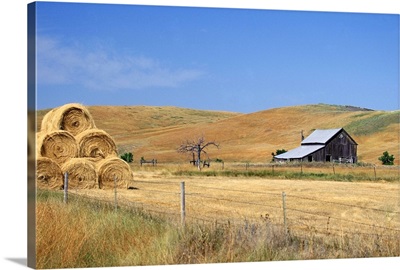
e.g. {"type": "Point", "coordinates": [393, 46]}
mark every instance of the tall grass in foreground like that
{"type": "Point", "coordinates": [86, 233]}
{"type": "Point", "coordinates": [89, 234]}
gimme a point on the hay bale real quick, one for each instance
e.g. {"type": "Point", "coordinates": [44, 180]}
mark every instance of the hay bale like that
{"type": "Point", "coordinates": [48, 174]}
{"type": "Point", "coordinates": [81, 173]}
{"type": "Point", "coordinates": [96, 144]}
{"type": "Point", "coordinates": [72, 117]}
{"type": "Point", "coordinates": [47, 121]}
{"type": "Point", "coordinates": [112, 167]}
{"type": "Point", "coordinates": [31, 135]}
{"type": "Point", "coordinates": [60, 146]}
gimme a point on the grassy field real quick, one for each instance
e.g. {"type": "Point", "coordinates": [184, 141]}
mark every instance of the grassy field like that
{"type": "Point", "coordinates": [228, 219]}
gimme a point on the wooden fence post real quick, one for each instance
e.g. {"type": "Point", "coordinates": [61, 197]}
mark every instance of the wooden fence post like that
{"type": "Point", "coordinates": [375, 172]}
{"type": "Point", "coordinates": [115, 193]}
{"type": "Point", "coordinates": [183, 205]}
{"type": "Point", "coordinates": [66, 187]}
{"type": "Point", "coordinates": [333, 167]}
{"type": "Point", "coordinates": [284, 212]}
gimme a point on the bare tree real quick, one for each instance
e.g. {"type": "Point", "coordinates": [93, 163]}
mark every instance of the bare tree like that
{"type": "Point", "coordinates": [197, 147]}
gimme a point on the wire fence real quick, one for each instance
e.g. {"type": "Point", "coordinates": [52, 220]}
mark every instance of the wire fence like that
{"type": "Point", "coordinates": [185, 202]}
{"type": "Point", "coordinates": [289, 170]}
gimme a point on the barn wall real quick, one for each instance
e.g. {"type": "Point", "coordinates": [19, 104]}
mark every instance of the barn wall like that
{"type": "Point", "coordinates": [341, 146]}
{"type": "Point", "coordinates": [318, 155]}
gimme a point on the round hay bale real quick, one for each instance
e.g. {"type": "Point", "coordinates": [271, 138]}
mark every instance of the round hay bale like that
{"type": "Point", "coordinates": [96, 144]}
{"type": "Point", "coordinates": [81, 173]}
{"type": "Point", "coordinates": [31, 136]}
{"type": "Point", "coordinates": [48, 174]}
{"type": "Point", "coordinates": [47, 120]}
{"type": "Point", "coordinates": [72, 117]}
{"type": "Point", "coordinates": [60, 146]}
{"type": "Point", "coordinates": [114, 167]}
{"type": "Point", "coordinates": [39, 136]}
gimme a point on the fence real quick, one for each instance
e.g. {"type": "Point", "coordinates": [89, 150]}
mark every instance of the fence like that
{"type": "Point", "coordinates": [354, 171]}
{"type": "Point", "coordinates": [184, 202]}
{"type": "Point", "coordinates": [328, 170]}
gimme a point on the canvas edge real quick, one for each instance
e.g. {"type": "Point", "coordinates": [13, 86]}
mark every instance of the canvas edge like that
{"type": "Point", "coordinates": [31, 110]}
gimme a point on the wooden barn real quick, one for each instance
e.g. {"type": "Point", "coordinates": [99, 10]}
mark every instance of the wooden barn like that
{"type": "Point", "coordinates": [324, 145]}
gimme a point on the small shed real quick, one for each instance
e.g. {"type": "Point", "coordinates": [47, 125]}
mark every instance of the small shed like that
{"type": "Point", "coordinates": [324, 145]}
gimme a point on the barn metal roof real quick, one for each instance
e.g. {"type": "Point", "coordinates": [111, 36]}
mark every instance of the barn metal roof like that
{"type": "Point", "coordinates": [300, 152]}
{"type": "Point", "coordinates": [320, 136]}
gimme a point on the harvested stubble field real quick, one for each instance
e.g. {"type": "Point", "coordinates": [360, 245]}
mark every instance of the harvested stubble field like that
{"type": "Point", "coordinates": [312, 206]}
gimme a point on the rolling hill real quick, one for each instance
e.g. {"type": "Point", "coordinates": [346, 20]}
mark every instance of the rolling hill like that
{"type": "Point", "coordinates": [156, 132]}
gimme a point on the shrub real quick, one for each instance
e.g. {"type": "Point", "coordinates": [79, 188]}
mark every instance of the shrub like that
{"type": "Point", "coordinates": [386, 158]}
{"type": "Point", "coordinates": [128, 157]}
{"type": "Point", "coordinates": [278, 152]}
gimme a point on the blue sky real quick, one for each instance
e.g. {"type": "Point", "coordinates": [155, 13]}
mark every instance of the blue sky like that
{"type": "Point", "coordinates": [240, 60]}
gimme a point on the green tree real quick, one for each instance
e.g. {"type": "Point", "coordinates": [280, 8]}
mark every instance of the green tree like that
{"type": "Point", "coordinates": [278, 152]}
{"type": "Point", "coordinates": [386, 158]}
{"type": "Point", "coordinates": [128, 157]}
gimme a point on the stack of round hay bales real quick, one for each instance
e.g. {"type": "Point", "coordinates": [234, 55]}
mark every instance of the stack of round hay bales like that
{"type": "Point", "coordinates": [69, 141]}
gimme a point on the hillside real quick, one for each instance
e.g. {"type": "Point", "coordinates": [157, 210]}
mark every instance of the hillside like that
{"type": "Point", "coordinates": [156, 132]}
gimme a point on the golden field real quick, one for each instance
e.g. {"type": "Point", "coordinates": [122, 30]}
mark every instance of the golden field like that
{"type": "Point", "coordinates": [328, 207]}
{"type": "Point", "coordinates": [228, 219]}
{"type": "Point", "coordinates": [156, 132]}
{"type": "Point", "coordinates": [233, 212]}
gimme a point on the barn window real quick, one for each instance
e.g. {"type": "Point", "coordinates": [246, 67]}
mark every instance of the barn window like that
{"type": "Point", "coordinates": [342, 139]}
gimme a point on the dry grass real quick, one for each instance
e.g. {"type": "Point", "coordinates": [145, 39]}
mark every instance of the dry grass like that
{"type": "Point", "coordinates": [228, 220]}
{"type": "Point", "coordinates": [237, 198]}
{"type": "Point", "coordinates": [89, 234]}
{"type": "Point", "coordinates": [156, 132]}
